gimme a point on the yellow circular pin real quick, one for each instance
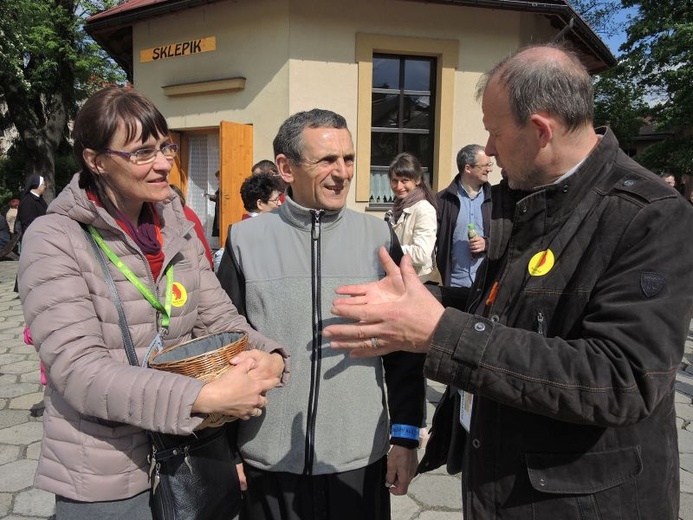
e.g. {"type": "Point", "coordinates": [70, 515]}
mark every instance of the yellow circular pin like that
{"type": "Point", "coordinates": [179, 296]}
{"type": "Point", "coordinates": [541, 263]}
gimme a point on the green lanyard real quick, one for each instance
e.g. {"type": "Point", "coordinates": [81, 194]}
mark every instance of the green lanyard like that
{"type": "Point", "coordinates": [165, 309]}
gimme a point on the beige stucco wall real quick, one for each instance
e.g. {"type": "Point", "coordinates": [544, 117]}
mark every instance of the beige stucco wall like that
{"type": "Point", "coordinates": [252, 42]}
{"type": "Point", "coordinates": [299, 54]}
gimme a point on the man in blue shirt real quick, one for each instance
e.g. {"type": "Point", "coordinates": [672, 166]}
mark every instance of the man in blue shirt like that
{"type": "Point", "coordinates": [466, 201]}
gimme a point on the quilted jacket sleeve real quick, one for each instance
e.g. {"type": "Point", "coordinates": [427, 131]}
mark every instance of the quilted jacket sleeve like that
{"type": "Point", "coordinates": [87, 366]}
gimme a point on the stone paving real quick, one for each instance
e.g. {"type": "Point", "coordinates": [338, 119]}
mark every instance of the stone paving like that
{"type": "Point", "coordinates": [433, 496]}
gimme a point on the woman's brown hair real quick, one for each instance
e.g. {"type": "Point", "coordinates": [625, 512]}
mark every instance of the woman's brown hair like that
{"type": "Point", "coordinates": [99, 118]}
{"type": "Point", "coordinates": [408, 166]}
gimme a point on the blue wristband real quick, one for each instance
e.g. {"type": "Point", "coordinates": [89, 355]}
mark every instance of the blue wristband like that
{"type": "Point", "coordinates": [405, 431]}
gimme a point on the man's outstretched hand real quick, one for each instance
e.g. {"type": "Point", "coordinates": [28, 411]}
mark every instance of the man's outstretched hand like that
{"type": "Point", "coordinates": [394, 313]}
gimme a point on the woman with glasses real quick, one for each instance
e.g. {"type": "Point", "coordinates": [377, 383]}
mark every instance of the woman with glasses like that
{"type": "Point", "coordinates": [413, 214]}
{"type": "Point", "coordinates": [98, 407]}
{"type": "Point", "coordinates": [260, 193]}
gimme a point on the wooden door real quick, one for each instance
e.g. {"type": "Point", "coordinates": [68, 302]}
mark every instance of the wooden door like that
{"type": "Point", "coordinates": [236, 159]}
{"type": "Point", "coordinates": [177, 174]}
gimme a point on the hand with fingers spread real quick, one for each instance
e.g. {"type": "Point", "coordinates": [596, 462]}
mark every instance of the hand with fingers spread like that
{"type": "Point", "coordinates": [239, 392]}
{"type": "Point", "coordinates": [394, 313]}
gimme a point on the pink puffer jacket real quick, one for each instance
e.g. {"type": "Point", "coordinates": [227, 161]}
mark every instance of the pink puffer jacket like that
{"type": "Point", "coordinates": [74, 325]}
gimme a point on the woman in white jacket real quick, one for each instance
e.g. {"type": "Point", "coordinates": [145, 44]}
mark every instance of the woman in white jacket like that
{"type": "Point", "coordinates": [413, 215]}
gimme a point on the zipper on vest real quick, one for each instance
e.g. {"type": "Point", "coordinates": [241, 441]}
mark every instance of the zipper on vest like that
{"type": "Point", "coordinates": [316, 352]}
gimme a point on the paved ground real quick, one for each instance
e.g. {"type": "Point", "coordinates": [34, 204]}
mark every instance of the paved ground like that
{"type": "Point", "coordinates": [433, 496]}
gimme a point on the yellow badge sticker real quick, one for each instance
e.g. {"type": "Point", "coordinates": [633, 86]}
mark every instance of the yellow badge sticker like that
{"type": "Point", "coordinates": [180, 295]}
{"type": "Point", "coordinates": [541, 263]}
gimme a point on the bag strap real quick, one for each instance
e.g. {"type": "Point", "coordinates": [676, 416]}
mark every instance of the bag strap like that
{"type": "Point", "coordinates": [125, 331]}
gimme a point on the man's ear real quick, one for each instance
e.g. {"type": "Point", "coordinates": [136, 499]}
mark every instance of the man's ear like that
{"type": "Point", "coordinates": [284, 166]}
{"type": "Point", "coordinates": [543, 127]}
{"type": "Point", "coordinates": [93, 160]}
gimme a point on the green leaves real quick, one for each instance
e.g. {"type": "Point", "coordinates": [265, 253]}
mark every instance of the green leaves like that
{"type": "Point", "coordinates": [48, 64]}
{"type": "Point", "coordinates": [660, 49]}
{"type": "Point", "coordinates": [653, 82]}
{"type": "Point", "coordinates": [619, 102]}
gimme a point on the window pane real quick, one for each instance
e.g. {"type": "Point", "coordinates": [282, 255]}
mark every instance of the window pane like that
{"type": "Point", "coordinates": [420, 145]}
{"type": "Point", "coordinates": [385, 110]}
{"type": "Point", "coordinates": [417, 112]}
{"type": "Point", "coordinates": [417, 74]}
{"type": "Point", "coordinates": [383, 148]}
{"type": "Point", "coordinates": [385, 72]}
{"type": "Point", "coordinates": [380, 187]}
{"type": "Point", "coordinates": [203, 161]}
{"type": "Point", "coordinates": [427, 177]}
{"type": "Point", "coordinates": [403, 120]}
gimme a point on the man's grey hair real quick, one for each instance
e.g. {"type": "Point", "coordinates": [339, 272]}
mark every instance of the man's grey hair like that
{"type": "Point", "coordinates": [289, 139]}
{"type": "Point", "coordinates": [467, 156]}
{"type": "Point", "coordinates": [559, 87]}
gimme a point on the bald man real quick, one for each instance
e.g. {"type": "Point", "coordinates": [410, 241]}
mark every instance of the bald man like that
{"type": "Point", "coordinates": [568, 350]}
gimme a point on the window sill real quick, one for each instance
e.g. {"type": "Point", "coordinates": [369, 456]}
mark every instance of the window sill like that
{"type": "Point", "coordinates": [382, 206]}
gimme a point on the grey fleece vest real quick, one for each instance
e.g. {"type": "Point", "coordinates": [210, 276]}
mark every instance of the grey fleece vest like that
{"type": "Point", "coordinates": [332, 416]}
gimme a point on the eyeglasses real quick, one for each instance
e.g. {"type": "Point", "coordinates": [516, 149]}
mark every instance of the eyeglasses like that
{"type": "Point", "coordinates": [276, 201]}
{"type": "Point", "coordinates": [146, 155]}
{"type": "Point", "coordinates": [487, 165]}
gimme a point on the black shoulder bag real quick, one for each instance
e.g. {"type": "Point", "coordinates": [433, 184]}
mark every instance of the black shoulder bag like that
{"type": "Point", "coordinates": [193, 477]}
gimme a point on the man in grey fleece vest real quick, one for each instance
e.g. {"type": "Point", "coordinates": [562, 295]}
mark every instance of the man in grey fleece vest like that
{"type": "Point", "coordinates": [321, 449]}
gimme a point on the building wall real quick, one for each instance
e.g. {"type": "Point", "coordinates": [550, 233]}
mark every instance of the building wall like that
{"type": "Point", "coordinates": [300, 54]}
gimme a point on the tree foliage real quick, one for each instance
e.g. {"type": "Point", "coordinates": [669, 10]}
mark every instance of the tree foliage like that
{"type": "Point", "coordinates": [654, 82]}
{"type": "Point", "coordinates": [619, 98]}
{"type": "Point", "coordinates": [620, 102]}
{"type": "Point", "coordinates": [599, 14]}
{"type": "Point", "coordinates": [660, 45]}
{"type": "Point", "coordinates": [47, 66]}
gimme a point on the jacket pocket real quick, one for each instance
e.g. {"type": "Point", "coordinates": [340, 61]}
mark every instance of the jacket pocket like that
{"type": "Point", "coordinates": [586, 486]}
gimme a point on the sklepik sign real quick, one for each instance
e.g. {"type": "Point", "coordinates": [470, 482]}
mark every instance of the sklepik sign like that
{"type": "Point", "coordinates": [174, 50]}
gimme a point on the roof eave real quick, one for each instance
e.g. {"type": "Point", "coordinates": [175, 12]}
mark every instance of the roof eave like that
{"type": "Point", "coordinates": [114, 32]}
{"type": "Point", "coordinates": [580, 33]}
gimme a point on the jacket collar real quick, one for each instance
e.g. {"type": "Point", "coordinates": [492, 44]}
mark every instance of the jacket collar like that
{"type": "Point", "coordinates": [451, 190]}
{"type": "Point", "coordinates": [595, 174]}
{"type": "Point", "coordinates": [558, 201]}
{"type": "Point", "coordinates": [303, 218]}
{"type": "Point", "coordinates": [452, 187]}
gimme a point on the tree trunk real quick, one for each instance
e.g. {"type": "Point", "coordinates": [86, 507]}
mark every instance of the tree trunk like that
{"type": "Point", "coordinates": [41, 133]}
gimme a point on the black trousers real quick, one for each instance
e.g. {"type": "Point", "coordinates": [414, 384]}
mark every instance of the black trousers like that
{"type": "Point", "coordinates": [359, 494]}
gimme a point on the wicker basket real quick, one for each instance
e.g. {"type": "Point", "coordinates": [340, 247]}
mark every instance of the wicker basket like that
{"type": "Point", "coordinates": [206, 359]}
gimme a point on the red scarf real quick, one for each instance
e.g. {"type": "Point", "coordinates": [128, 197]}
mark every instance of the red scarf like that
{"type": "Point", "coordinates": [147, 234]}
